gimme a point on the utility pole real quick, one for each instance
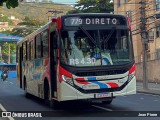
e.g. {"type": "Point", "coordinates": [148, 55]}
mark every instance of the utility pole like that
{"type": "Point", "coordinates": [144, 43]}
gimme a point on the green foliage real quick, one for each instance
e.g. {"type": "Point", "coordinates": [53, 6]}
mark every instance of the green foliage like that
{"type": "Point", "coordinates": [93, 6]}
{"type": "Point", "coordinates": [31, 22]}
{"type": "Point", "coordinates": [7, 32]}
{"type": "Point", "coordinates": [9, 3]}
{"type": "Point", "coordinates": [5, 19]}
{"type": "Point", "coordinates": [35, 10]}
{"type": "Point", "coordinates": [8, 50]}
{"type": "Point", "coordinates": [5, 48]}
{"type": "Point", "coordinates": [20, 31]}
{"type": "Point", "coordinates": [29, 25]}
{"type": "Point", "coordinates": [23, 31]}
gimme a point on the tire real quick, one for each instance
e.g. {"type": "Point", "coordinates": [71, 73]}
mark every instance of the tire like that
{"type": "Point", "coordinates": [27, 95]}
{"type": "Point", "coordinates": [4, 78]}
{"type": "Point", "coordinates": [51, 103]}
{"type": "Point", "coordinates": [107, 102]}
{"type": "Point", "coordinates": [46, 93]}
{"type": "Point", "coordinates": [55, 104]}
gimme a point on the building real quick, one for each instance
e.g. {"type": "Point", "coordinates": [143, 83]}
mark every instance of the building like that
{"type": "Point", "coordinates": [132, 9]}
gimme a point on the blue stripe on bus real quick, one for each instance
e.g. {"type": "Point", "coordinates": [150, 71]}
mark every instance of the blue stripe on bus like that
{"type": "Point", "coordinates": [101, 85]}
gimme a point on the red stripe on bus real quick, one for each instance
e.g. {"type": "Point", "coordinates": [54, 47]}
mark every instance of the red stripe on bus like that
{"type": "Point", "coordinates": [81, 81]}
{"type": "Point", "coordinates": [64, 72]}
{"type": "Point", "coordinates": [132, 69]}
{"type": "Point", "coordinates": [113, 85]}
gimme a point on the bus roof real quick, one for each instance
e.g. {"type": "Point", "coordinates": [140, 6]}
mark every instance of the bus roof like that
{"type": "Point", "coordinates": [34, 33]}
{"type": "Point", "coordinates": [94, 14]}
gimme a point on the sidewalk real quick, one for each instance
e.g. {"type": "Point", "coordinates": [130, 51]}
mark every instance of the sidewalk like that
{"type": "Point", "coordinates": [153, 88]}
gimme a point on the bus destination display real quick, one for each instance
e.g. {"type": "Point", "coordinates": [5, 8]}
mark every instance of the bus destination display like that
{"type": "Point", "coordinates": [77, 21]}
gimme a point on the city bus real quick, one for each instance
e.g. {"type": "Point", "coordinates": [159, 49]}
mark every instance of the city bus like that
{"type": "Point", "coordinates": [78, 57]}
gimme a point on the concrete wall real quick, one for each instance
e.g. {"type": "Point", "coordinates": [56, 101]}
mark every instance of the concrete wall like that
{"type": "Point", "coordinates": [153, 73]}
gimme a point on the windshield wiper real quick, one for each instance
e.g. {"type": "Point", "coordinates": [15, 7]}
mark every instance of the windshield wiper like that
{"type": "Point", "coordinates": [88, 35]}
{"type": "Point", "coordinates": [106, 40]}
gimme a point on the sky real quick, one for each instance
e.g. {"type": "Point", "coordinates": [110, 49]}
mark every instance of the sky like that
{"type": "Point", "coordinates": [65, 1]}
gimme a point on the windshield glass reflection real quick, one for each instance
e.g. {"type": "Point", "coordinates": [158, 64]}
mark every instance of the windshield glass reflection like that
{"type": "Point", "coordinates": [96, 47]}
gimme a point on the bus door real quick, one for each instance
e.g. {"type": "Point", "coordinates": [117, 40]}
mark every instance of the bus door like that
{"type": "Point", "coordinates": [53, 61]}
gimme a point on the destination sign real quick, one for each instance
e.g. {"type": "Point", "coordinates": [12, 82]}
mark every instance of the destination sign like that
{"type": "Point", "coordinates": [77, 21]}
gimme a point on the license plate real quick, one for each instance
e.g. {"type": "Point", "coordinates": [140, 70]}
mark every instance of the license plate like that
{"type": "Point", "coordinates": [102, 95]}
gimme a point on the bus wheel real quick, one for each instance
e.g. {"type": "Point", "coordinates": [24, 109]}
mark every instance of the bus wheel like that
{"type": "Point", "coordinates": [27, 95]}
{"type": "Point", "coordinates": [54, 104]}
{"type": "Point", "coordinates": [107, 102]}
{"type": "Point", "coordinates": [48, 101]}
{"type": "Point", "coordinates": [46, 93]}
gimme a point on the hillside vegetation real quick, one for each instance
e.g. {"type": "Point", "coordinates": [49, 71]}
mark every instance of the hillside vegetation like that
{"type": "Point", "coordinates": [37, 11]}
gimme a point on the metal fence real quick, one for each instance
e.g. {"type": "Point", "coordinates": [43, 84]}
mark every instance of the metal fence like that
{"type": "Point", "coordinates": [150, 56]}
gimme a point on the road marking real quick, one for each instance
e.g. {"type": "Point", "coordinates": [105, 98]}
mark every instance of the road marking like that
{"type": "Point", "coordinates": [141, 98]}
{"type": "Point", "coordinates": [156, 100]}
{"type": "Point", "coordinates": [4, 110]}
{"type": "Point", "coordinates": [102, 108]}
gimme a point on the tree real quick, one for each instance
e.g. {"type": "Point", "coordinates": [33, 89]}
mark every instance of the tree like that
{"type": "Point", "coordinates": [93, 6]}
{"type": "Point", "coordinates": [9, 3]}
{"type": "Point", "coordinates": [8, 50]}
{"type": "Point", "coordinates": [27, 27]}
{"type": "Point", "coordinates": [5, 19]}
{"type": "Point", "coordinates": [31, 22]}
{"type": "Point", "coordinates": [23, 31]}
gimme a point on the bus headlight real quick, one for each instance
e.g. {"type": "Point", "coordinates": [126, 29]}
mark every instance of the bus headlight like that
{"type": "Point", "coordinates": [68, 80]}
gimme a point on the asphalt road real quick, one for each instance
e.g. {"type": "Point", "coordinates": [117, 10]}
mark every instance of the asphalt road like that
{"type": "Point", "coordinates": [12, 99]}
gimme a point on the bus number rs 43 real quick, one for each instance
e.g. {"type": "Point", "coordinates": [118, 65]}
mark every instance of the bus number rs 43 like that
{"type": "Point", "coordinates": [82, 61]}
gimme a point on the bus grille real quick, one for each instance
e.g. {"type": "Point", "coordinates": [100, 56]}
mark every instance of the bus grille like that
{"type": "Point", "coordinates": [99, 73]}
{"type": "Point", "coordinates": [102, 90]}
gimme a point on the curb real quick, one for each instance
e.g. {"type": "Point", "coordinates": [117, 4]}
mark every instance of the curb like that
{"type": "Point", "coordinates": [153, 92]}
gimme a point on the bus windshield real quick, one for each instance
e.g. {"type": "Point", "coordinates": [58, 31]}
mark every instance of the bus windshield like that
{"type": "Point", "coordinates": [96, 47]}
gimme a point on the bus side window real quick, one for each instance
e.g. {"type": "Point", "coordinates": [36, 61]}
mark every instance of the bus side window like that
{"type": "Point", "coordinates": [24, 51]}
{"type": "Point", "coordinates": [38, 46]}
{"type": "Point", "coordinates": [44, 43]}
{"type": "Point", "coordinates": [32, 50]}
{"type": "Point", "coordinates": [29, 51]}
